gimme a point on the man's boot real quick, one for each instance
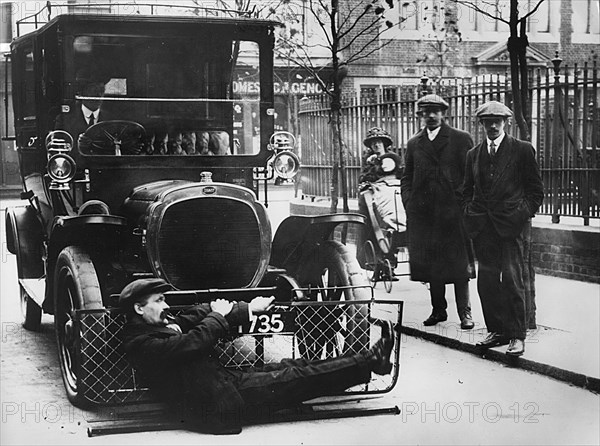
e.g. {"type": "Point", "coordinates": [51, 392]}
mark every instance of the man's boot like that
{"type": "Point", "coordinates": [466, 322]}
{"type": "Point", "coordinates": [463, 304]}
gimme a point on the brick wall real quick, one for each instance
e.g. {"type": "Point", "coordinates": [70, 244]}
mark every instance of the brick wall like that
{"type": "Point", "coordinates": [568, 253]}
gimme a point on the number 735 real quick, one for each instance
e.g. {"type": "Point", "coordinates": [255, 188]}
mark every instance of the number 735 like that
{"type": "Point", "coordinates": [266, 323]}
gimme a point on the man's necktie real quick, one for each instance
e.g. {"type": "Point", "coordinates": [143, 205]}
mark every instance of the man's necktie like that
{"type": "Point", "coordinates": [91, 120]}
{"type": "Point", "coordinates": [492, 149]}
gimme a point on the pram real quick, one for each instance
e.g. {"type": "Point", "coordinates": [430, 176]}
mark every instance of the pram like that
{"type": "Point", "coordinates": [388, 238]}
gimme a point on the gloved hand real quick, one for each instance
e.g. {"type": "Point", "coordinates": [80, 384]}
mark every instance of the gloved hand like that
{"type": "Point", "coordinates": [221, 306]}
{"type": "Point", "coordinates": [364, 186]}
{"type": "Point", "coordinates": [372, 159]}
{"type": "Point", "coordinates": [260, 304]}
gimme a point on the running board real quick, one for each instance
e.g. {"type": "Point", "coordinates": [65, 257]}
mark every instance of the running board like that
{"type": "Point", "coordinates": [302, 413]}
{"type": "Point", "coordinates": [35, 289]}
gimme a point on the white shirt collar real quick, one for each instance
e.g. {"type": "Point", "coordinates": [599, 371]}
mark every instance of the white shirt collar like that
{"type": "Point", "coordinates": [431, 134]}
{"type": "Point", "coordinates": [497, 141]}
{"type": "Point", "coordinates": [87, 112]}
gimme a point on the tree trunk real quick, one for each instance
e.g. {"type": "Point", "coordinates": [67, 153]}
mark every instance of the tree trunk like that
{"type": "Point", "coordinates": [523, 44]}
{"type": "Point", "coordinates": [514, 49]}
{"type": "Point", "coordinates": [335, 117]}
{"type": "Point", "coordinates": [336, 106]}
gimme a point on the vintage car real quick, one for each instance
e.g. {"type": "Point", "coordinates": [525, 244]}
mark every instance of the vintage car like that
{"type": "Point", "coordinates": [162, 183]}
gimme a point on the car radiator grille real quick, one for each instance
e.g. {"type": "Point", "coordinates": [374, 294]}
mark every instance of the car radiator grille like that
{"type": "Point", "coordinates": [209, 243]}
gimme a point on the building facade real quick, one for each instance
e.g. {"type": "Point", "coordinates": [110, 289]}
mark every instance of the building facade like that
{"type": "Point", "coordinates": [444, 39]}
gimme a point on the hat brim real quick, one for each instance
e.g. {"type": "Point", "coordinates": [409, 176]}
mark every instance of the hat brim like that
{"type": "Point", "coordinates": [127, 302]}
{"type": "Point", "coordinates": [431, 105]}
{"type": "Point", "coordinates": [387, 140]}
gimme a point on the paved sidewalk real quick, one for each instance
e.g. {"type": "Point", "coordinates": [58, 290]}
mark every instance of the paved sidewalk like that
{"type": "Point", "coordinates": [565, 346]}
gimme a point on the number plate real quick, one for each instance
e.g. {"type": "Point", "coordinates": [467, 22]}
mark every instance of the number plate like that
{"type": "Point", "coordinates": [272, 322]}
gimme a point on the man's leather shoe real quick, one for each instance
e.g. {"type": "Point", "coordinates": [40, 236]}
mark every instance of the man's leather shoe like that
{"type": "Point", "coordinates": [466, 323]}
{"type": "Point", "coordinates": [382, 350]}
{"type": "Point", "coordinates": [435, 318]}
{"type": "Point", "coordinates": [493, 340]}
{"type": "Point", "coordinates": [516, 347]}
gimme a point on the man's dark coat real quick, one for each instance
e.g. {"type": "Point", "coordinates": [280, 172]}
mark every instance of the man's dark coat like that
{"type": "Point", "coordinates": [184, 367]}
{"type": "Point", "coordinates": [75, 123]}
{"type": "Point", "coordinates": [431, 192]}
{"type": "Point", "coordinates": [515, 192]}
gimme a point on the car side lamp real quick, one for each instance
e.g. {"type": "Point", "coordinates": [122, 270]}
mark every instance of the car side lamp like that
{"type": "Point", "coordinates": [286, 163]}
{"type": "Point", "coordinates": [61, 166]}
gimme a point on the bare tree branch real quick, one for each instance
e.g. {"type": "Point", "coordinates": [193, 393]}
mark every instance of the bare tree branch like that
{"type": "Point", "coordinates": [365, 30]}
{"type": "Point", "coordinates": [350, 14]}
{"type": "Point", "coordinates": [358, 19]}
{"type": "Point", "coordinates": [367, 54]}
{"type": "Point", "coordinates": [322, 25]}
{"type": "Point", "coordinates": [475, 7]}
{"type": "Point", "coordinates": [530, 13]}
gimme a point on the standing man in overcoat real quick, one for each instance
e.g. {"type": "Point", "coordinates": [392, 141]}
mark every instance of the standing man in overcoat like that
{"type": "Point", "coordinates": [440, 252]}
{"type": "Point", "coordinates": [502, 191]}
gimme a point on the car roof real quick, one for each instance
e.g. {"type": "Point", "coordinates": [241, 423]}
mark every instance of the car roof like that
{"type": "Point", "coordinates": [74, 18]}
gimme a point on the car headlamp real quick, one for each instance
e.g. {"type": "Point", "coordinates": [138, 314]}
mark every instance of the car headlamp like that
{"type": "Point", "coordinates": [286, 164]}
{"type": "Point", "coordinates": [61, 169]}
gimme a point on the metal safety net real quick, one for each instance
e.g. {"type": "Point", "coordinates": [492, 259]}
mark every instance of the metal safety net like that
{"type": "Point", "coordinates": [308, 330]}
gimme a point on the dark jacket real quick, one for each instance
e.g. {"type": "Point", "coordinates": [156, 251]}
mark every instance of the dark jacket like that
{"type": "Point", "coordinates": [184, 368]}
{"type": "Point", "coordinates": [515, 193]}
{"type": "Point", "coordinates": [75, 123]}
{"type": "Point", "coordinates": [431, 193]}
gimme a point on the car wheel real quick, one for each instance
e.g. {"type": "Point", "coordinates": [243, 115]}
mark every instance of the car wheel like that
{"type": "Point", "coordinates": [76, 287]}
{"type": "Point", "coordinates": [332, 274]}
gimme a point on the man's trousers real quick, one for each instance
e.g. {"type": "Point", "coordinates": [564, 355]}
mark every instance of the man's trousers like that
{"type": "Point", "coordinates": [500, 283]}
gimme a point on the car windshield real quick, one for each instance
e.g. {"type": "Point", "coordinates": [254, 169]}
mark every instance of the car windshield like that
{"type": "Point", "coordinates": [181, 91]}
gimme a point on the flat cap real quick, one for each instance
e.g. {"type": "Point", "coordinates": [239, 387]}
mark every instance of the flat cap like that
{"type": "Point", "coordinates": [140, 288]}
{"type": "Point", "coordinates": [493, 109]}
{"type": "Point", "coordinates": [432, 100]}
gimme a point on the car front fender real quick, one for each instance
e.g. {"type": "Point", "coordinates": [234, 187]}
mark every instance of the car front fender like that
{"type": "Point", "coordinates": [299, 234]}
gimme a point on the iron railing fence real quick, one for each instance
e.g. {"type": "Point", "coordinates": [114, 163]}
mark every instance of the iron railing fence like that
{"type": "Point", "coordinates": [562, 110]}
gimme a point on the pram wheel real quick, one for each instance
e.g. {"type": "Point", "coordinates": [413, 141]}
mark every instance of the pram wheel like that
{"type": "Point", "coordinates": [378, 270]}
{"type": "Point", "coordinates": [371, 262]}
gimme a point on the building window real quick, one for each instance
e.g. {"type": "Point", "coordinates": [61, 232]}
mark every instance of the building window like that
{"type": "Point", "coordinates": [540, 21]}
{"type": "Point", "coordinates": [542, 25]}
{"type": "Point", "coordinates": [368, 95]}
{"type": "Point", "coordinates": [425, 18]}
{"type": "Point", "coordinates": [389, 94]}
{"type": "Point", "coordinates": [586, 21]}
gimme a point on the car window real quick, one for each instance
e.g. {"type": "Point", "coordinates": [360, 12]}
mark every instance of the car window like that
{"type": "Point", "coordinates": [192, 96]}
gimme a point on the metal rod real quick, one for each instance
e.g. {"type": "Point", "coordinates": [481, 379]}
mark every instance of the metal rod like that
{"type": "Point", "coordinates": [151, 425]}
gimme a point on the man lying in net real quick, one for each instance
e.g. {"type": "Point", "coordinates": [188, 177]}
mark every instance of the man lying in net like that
{"type": "Point", "coordinates": [175, 357]}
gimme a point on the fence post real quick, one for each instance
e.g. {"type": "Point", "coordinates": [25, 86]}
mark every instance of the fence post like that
{"type": "Point", "coordinates": [556, 142]}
